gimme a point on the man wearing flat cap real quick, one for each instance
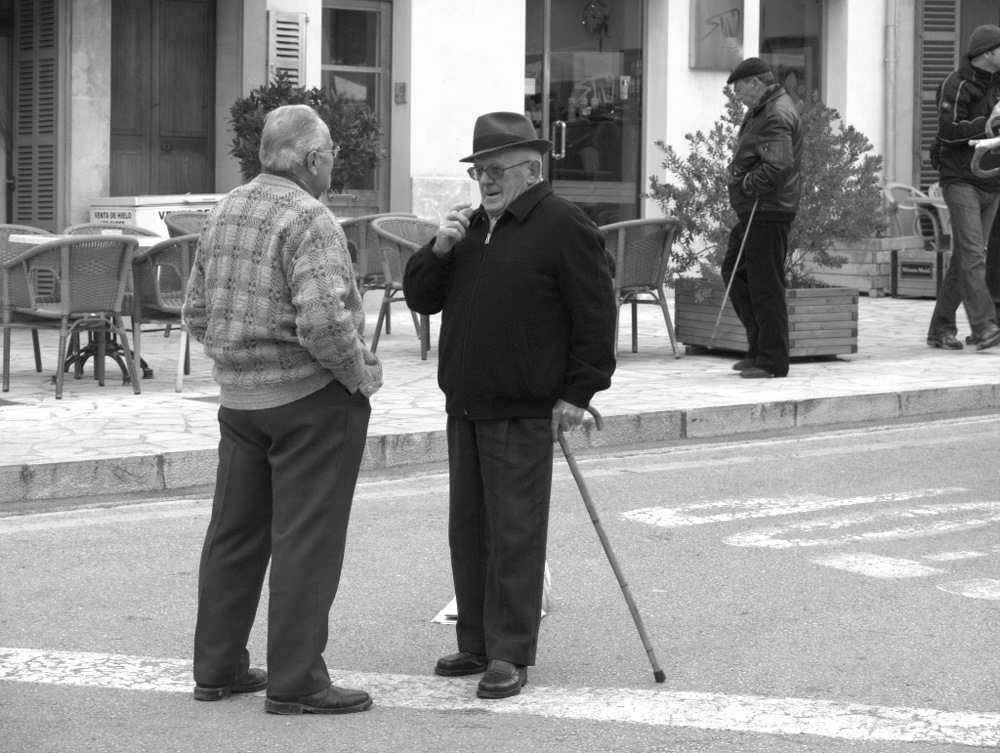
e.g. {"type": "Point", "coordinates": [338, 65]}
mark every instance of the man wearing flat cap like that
{"type": "Point", "coordinates": [527, 338]}
{"type": "Point", "coordinates": [966, 101]}
{"type": "Point", "coordinates": [765, 182]}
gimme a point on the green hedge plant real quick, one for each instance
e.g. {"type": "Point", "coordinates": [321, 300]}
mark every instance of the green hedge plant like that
{"type": "Point", "coordinates": [841, 194]}
{"type": "Point", "coordinates": [353, 125]}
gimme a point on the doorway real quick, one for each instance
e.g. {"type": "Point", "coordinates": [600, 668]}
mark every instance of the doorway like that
{"type": "Point", "coordinates": [162, 79]}
{"type": "Point", "coordinates": [583, 91]}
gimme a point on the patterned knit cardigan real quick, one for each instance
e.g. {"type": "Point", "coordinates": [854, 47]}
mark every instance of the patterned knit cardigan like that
{"type": "Point", "coordinates": [272, 298]}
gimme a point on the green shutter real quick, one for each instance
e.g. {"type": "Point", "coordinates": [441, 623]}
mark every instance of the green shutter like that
{"type": "Point", "coordinates": [937, 56]}
{"type": "Point", "coordinates": [35, 114]}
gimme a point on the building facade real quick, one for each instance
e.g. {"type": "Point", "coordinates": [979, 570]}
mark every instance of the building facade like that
{"type": "Point", "coordinates": [113, 98]}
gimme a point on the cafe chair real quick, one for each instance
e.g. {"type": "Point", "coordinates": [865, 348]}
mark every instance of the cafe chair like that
{"type": "Point", "coordinates": [160, 275]}
{"type": "Point", "coordinates": [399, 238]}
{"type": "Point", "coordinates": [6, 253]}
{"type": "Point", "coordinates": [184, 222]}
{"type": "Point", "coordinates": [90, 273]}
{"type": "Point", "coordinates": [913, 212]}
{"type": "Point", "coordinates": [365, 253]}
{"type": "Point", "coordinates": [106, 228]}
{"type": "Point", "coordinates": [641, 253]}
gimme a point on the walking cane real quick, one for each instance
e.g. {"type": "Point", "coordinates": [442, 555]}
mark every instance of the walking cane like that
{"type": "Point", "coordinates": [658, 673]}
{"type": "Point", "coordinates": [739, 255]}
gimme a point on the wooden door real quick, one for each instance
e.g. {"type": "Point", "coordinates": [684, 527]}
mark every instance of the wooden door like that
{"type": "Point", "coordinates": [162, 81]}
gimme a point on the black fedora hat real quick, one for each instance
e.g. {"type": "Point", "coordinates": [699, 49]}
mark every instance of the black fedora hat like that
{"type": "Point", "coordinates": [502, 130]}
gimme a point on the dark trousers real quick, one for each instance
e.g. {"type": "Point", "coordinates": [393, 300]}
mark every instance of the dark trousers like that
{"type": "Point", "coordinates": [758, 290]}
{"type": "Point", "coordinates": [500, 487]}
{"type": "Point", "coordinates": [283, 493]}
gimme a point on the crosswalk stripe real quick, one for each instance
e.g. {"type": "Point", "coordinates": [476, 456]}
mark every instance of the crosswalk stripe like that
{"type": "Point", "coordinates": [655, 707]}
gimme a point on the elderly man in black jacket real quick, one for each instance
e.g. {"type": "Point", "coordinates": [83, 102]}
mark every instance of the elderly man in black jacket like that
{"type": "Point", "coordinates": [764, 186]}
{"type": "Point", "coordinates": [527, 338]}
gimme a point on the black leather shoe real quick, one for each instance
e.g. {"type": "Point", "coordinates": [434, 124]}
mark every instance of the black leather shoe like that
{"type": "Point", "coordinates": [502, 680]}
{"type": "Point", "coordinates": [460, 664]}
{"type": "Point", "coordinates": [251, 682]}
{"type": "Point", "coordinates": [945, 342]}
{"type": "Point", "coordinates": [988, 339]}
{"type": "Point", "coordinates": [744, 363]}
{"type": "Point", "coordinates": [331, 700]}
{"type": "Point", "coordinates": [755, 372]}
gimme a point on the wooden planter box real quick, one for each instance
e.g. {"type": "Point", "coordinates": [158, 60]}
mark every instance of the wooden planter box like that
{"type": "Point", "coordinates": [869, 264]}
{"type": "Point", "coordinates": [821, 321]}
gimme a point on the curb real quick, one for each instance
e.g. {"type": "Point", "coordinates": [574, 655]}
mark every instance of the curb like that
{"type": "Point", "coordinates": [177, 471]}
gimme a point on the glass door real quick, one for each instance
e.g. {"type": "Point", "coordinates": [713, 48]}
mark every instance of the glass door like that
{"type": "Point", "coordinates": [583, 91]}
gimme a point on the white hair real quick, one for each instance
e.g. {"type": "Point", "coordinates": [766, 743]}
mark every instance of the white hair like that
{"type": "Point", "coordinates": [290, 133]}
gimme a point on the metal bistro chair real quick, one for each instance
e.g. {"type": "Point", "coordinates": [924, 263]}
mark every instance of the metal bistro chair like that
{"type": "Point", "coordinates": [160, 275]}
{"type": "Point", "coordinates": [908, 217]}
{"type": "Point", "coordinates": [641, 249]}
{"type": "Point", "coordinates": [184, 222]}
{"type": "Point", "coordinates": [399, 238]}
{"type": "Point", "coordinates": [90, 272]}
{"type": "Point", "coordinates": [364, 246]}
{"type": "Point", "coordinates": [7, 253]}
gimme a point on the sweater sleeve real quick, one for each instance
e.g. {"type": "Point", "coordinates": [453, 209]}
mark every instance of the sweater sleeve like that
{"type": "Point", "coordinates": [194, 312]}
{"type": "Point", "coordinates": [328, 311]}
{"type": "Point", "coordinates": [425, 280]}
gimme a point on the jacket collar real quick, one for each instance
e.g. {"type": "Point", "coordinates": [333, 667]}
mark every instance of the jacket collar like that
{"type": "Point", "coordinates": [520, 207]}
{"type": "Point", "coordinates": [770, 94]}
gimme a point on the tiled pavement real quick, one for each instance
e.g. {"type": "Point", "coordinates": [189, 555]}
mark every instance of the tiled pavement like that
{"type": "Point", "coordinates": [101, 440]}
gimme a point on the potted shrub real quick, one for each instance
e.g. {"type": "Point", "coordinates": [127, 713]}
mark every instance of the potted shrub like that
{"type": "Point", "coordinates": [841, 201]}
{"type": "Point", "coordinates": [353, 123]}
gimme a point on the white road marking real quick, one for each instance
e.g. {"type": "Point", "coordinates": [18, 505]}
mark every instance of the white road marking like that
{"type": "Point", "coordinates": [876, 566]}
{"type": "Point", "coordinates": [977, 588]}
{"type": "Point", "coordinates": [954, 556]}
{"type": "Point", "coordinates": [712, 711]}
{"type": "Point", "coordinates": [970, 515]}
{"type": "Point", "coordinates": [744, 509]}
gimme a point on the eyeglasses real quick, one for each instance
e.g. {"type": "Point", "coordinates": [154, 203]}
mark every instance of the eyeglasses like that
{"type": "Point", "coordinates": [334, 151]}
{"type": "Point", "coordinates": [495, 172]}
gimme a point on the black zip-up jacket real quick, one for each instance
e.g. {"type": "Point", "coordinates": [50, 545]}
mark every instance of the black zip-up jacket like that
{"type": "Point", "coordinates": [527, 310]}
{"type": "Point", "coordinates": [965, 100]}
{"type": "Point", "coordinates": [767, 160]}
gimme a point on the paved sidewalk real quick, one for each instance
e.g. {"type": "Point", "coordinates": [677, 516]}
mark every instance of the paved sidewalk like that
{"type": "Point", "coordinates": [103, 440]}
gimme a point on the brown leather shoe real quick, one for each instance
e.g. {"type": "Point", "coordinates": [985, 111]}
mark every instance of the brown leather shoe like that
{"type": "Point", "coordinates": [331, 700]}
{"type": "Point", "coordinates": [460, 664]}
{"type": "Point", "coordinates": [744, 363]}
{"type": "Point", "coordinates": [251, 682]}
{"type": "Point", "coordinates": [502, 680]}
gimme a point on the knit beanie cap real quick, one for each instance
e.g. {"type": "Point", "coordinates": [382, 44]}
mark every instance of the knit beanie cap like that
{"type": "Point", "coordinates": [984, 38]}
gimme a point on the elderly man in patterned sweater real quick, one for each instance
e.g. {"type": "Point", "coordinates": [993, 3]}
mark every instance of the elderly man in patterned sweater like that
{"type": "Point", "coordinates": [272, 298]}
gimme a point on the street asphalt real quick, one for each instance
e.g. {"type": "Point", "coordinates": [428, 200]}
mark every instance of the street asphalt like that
{"type": "Point", "coordinates": [109, 441]}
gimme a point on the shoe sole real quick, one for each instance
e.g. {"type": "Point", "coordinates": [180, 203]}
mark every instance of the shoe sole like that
{"type": "Point", "coordinates": [290, 708]}
{"type": "Point", "coordinates": [219, 694]}
{"type": "Point", "coordinates": [459, 672]}
{"type": "Point", "coordinates": [942, 346]}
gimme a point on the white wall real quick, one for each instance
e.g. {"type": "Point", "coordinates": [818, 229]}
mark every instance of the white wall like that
{"type": "Point", "coordinates": [461, 64]}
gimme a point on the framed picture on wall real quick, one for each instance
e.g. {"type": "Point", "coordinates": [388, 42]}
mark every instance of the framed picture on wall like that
{"type": "Point", "coordinates": [716, 34]}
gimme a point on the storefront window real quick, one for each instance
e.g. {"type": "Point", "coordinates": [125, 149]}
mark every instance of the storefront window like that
{"type": "Point", "coordinates": [791, 42]}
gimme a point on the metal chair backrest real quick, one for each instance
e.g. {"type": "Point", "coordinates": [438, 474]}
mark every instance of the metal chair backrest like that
{"type": "Point", "coordinates": [641, 250]}
{"type": "Point", "coordinates": [105, 228]}
{"type": "Point", "coordinates": [399, 237]}
{"type": "Point", "coordinates": [160, 275]}
{"type": "Point", "coordinates": [184, 222]}
{"type": "Point", "coordinates": [90, 271]}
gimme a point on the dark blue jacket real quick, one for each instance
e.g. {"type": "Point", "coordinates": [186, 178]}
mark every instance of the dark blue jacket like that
{"type": "Point", "coordinates": [527, 310]}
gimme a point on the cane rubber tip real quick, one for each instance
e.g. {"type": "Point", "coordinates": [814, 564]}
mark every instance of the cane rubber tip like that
{"type": "Point", "coordinates": [660, 675]}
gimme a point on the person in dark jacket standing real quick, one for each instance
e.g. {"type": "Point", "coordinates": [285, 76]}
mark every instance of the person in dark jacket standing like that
{"type": "Point", "coordinates": [765, 182]}
{"type": "Point", "coordinates": [966, 99]}
{"type": "Point", "coordinates": [527, 338]}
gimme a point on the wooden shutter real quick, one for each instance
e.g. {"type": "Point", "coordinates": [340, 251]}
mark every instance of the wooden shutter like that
{"type": "Point", "coordinates": [286, 44]}
{"type": "Point", "coordinates": [937, 56]}
{"type": "Point", "coordinates": [35, 114]}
